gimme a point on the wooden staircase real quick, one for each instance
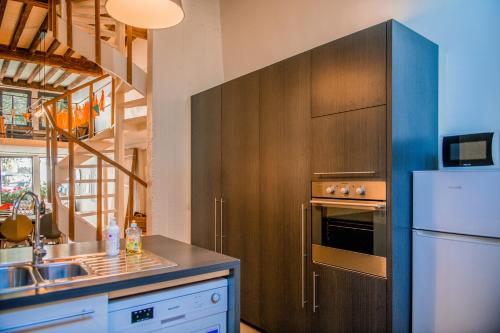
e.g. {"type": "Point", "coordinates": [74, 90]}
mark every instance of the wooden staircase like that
{"type": "Point", "coordinates": [92, 181]}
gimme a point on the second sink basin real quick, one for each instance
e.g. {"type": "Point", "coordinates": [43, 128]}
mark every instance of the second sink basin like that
{"type": "Point", "coordinates": [58, 271]}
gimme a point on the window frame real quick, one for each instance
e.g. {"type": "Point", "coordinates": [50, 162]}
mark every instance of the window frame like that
{"type": "Point", "coordinates": [31, 157]}
{"type": "Point", "coordinates": [19, 91]}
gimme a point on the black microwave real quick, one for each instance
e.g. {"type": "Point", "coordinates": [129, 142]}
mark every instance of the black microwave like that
{"type": "Point", "coordinates": [470, 150]}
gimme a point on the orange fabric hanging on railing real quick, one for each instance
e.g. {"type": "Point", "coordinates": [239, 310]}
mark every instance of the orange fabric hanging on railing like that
{"type": "Point", "coordinates": [80, 119]}
{"type": "Point", "coordinates": [73, 118]}
{"type": "Point", "coordinates": [62, 119]}
{"type": "Point", "coordinates": [95, 107]}
{"type": "Point", "coordinates": [101, 103]}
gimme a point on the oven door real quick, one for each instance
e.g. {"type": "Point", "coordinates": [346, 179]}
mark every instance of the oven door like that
{"type": "Point", "coordinates": [350, 234]}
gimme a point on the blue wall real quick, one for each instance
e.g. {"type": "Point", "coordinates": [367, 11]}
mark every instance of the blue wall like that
{"type": "Point", "coordinates": [468, 35]}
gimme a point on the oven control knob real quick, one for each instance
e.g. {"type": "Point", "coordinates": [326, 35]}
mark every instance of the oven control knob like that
{"type": "Point", "coordinates": [345, 190]}
{"type": "Point", "coordinates": [215, 298]}
{"type": "Point", "coordinates": [361, 190]}
{"type": "Point", "coordinates": [330, 190]}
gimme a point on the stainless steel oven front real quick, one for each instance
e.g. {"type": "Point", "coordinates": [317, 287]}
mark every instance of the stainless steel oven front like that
{"type": "Point", "coordinates": [349, 225]}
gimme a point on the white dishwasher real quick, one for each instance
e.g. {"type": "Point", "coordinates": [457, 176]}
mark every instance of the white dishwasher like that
{"type": "Point", "coordinates": [195, 308]}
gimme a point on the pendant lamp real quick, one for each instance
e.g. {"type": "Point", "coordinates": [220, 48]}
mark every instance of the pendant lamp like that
{"type": "Point", "coordinates": [147, 14]}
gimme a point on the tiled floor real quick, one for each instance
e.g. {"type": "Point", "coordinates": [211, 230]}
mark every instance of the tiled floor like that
{"type": "Point", "coordinates": [247, 329]}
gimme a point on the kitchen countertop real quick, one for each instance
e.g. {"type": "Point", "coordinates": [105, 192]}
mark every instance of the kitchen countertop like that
{"type": "Point", "coordinates": [190, 260]}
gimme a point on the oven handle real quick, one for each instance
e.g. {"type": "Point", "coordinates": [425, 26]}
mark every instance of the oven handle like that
{"type": "Point", "coordinates": [343, 173]}
{"type": "Point", "coordinates": [353, 204]}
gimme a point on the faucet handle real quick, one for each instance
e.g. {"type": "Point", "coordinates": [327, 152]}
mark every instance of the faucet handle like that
{"type": "Point", "coordinates": [39, 252]}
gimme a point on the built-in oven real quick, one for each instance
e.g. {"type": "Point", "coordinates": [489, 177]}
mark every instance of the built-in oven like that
{"type": "Point", "coordinates": [349, 225]}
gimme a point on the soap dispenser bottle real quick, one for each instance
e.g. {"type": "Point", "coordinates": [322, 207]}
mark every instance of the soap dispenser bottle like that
{"type": "Point", "coordinates": [133, 241]}
{"type": "Point", "coordinates": [112, 238]}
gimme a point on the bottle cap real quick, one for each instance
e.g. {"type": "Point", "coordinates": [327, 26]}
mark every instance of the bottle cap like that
{"type": "Point", "coordinates": [133, 225]}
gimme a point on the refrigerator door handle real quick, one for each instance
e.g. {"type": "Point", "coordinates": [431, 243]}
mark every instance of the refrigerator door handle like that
{"type": "Point", "coordinates": [457, 237]}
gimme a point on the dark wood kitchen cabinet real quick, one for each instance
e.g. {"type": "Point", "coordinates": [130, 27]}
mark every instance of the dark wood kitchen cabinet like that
{"type": "Point", "coordinates": [205, 168]}
{"type": "Point", "coordinates": [350, 73]}
{"type": "Point", "coordinates": [241, 232]}
{"type": "Point", "coordinates": [364, 105]}
{"type": "Point", "coordinates": [350, 142]}
{"type": "Point", "coordinates": [284, 193]}
{"type": "Point", "coordinates": [347, 301]}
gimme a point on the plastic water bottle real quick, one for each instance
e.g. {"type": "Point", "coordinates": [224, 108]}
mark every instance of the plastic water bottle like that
{"type": "Point", "coordinates": [112, 238]}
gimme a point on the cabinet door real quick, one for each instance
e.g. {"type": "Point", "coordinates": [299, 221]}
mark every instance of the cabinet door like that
{"type": "Point", "coordinates": [205, 168]}
{"type": "Point", "coordinates": [77, 315]}
{"type": "Point", "coordinates": [240, 186]}
{"type": "Point", "coordinates": [350, 73]}
{"type": "Point", "coordinates": [350, 143]}
{"type": "Point", "coordinates": [284, 192]}
{"type": "Point", "coordinates": [348, 301]}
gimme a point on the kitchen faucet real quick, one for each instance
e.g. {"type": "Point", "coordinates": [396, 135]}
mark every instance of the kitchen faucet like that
{"type": "Point", "coordinates": [38, 251]}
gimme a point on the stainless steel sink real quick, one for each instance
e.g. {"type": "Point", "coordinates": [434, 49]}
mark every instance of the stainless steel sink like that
{"type": "Point", "coordinates": [15, 278]}
{"type": "Point", "coordinates": [58, 271]}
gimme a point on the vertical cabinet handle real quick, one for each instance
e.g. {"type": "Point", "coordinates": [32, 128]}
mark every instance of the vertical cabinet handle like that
{"type": "Point", "coordinates": [315, 306]}
{"type": "Point", "coordinates": [215, 224]}
{"type": "Point", "coordinates": [221, 223]}
{"type": "Point", "coordinates": [303, 255]}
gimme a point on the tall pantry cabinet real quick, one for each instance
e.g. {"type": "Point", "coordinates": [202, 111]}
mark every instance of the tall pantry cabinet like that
{"type": "Point", "coordinates": [225, 180]}
{"type": "Point", "coordinates": [285, 193]}
{"type": "Point", "coordinates": [254, 146]}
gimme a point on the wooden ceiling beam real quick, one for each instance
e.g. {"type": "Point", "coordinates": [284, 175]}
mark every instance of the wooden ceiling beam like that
{"type": "Point", "coordinates": [53, 47]}
{"type": "Point", "coordinates": [76, 82]}
{"type": "Point", "coordinates": [73, 65]}
{"type": "Point", "coordinates": [34, 85]}
{"type": "Point", "coordinates": [25, 14]}
{"type": "Point", "coordinates": [61, 79]}
{"type": "Point", "coordinates": [3, 5]}
{"type": "Point", "coordinates": [69, 52]}
{"type": "Point", "coordinates": [19, 71]}
{"type": "Point", "coordinates": [36, 3]}
{"type": "Point", "coordinates": [39, 35]}
{"type": "Point", "coordinates": [49, 75]}
{"type": "Point", "coordinates": [5, 65]}
{"type": "Point", "coordinates": [34, 73]}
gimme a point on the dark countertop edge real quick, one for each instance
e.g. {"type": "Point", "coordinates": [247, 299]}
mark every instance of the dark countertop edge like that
{"type": "Point", "coordinates": [99, 286]}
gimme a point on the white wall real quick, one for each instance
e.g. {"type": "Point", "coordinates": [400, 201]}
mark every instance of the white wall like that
{"type": "Point", "coordinates": [185, 59]}
{"type": "Point", "coordinates": [260, 32]}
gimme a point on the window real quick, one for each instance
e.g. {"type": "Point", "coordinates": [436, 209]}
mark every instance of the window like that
{"type": "Point", "coordinates": [16, 175]}
{"type": "Point", "coordinates": [15, 106]}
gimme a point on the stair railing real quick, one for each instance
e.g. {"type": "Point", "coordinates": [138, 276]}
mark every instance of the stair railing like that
{"type": "Point", "coordinates": [55, 133]}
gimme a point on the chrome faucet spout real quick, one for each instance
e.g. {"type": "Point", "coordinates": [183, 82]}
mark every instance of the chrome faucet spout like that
{"type": "Point", "coordinates": [38, 250]}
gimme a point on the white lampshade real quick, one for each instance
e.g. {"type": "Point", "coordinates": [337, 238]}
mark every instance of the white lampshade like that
{"type": "Point", "coordinates": [148, 14]}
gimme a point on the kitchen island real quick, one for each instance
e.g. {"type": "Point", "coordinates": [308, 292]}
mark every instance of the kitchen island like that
{"type": "Point", "coordinates": [192, 265]}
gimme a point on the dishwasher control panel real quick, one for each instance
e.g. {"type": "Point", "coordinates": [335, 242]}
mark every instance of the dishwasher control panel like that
{"type": "Point", "coordinates": [199, 307]}
{"type": "Point", "coordinates": [141, 315]}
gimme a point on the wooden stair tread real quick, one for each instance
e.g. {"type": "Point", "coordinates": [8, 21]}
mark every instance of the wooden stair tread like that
{"type": "Point", "coordinates": [93, 166]}
{"type": "Point", "coordinates": [93, 213]}
{"type": "Point", "coordinates": [86, 197]}
{"type": "Point", "coordinates": [89, 181]}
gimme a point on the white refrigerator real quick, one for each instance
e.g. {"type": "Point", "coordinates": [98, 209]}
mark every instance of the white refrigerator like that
{"type": "Point", "coordinates": [456, 252]}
